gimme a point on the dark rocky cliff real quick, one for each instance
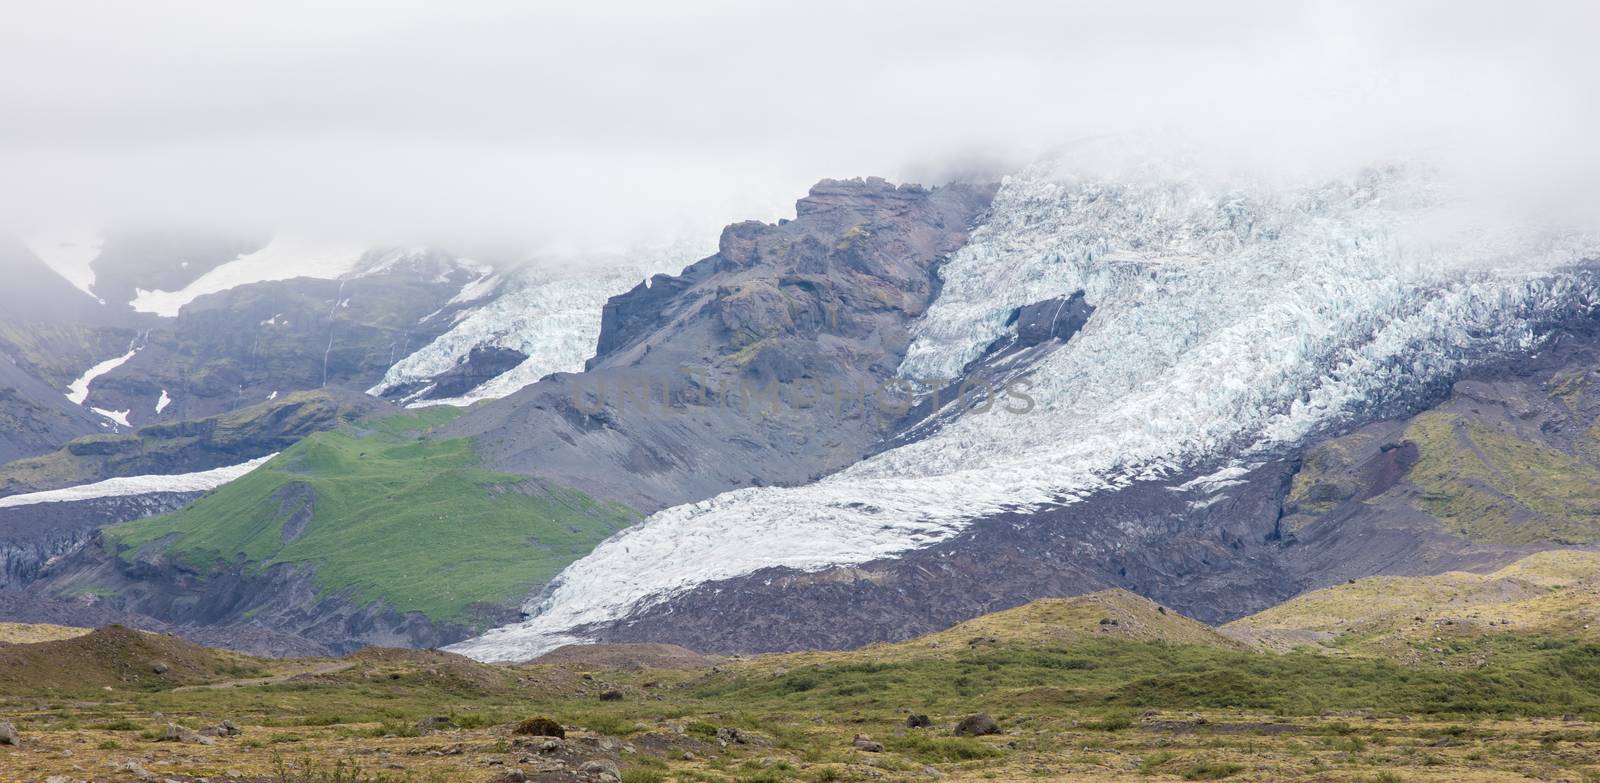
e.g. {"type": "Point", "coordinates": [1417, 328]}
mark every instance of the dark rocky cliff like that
{"type": "Point", "coordinates": [761, 364]}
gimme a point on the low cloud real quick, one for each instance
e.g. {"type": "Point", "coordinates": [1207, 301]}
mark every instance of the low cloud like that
{"type": "Point", "coordinates": [550, 126]}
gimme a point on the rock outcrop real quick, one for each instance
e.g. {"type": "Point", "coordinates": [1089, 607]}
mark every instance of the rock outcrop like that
{"type": "Point", "coordinates": [762, 364]}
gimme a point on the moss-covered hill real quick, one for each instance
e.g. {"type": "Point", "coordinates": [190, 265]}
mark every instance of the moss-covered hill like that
{"type": "Point", "coordinates": [1508, 460]}
{"type": "Point", "coordinates": [376, 514]}
{"type": "Point", "coordinates": [1455, 619]}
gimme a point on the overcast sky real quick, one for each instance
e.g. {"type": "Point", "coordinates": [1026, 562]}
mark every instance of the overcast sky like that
{"type": "Point", "coordinates": [598, 124]}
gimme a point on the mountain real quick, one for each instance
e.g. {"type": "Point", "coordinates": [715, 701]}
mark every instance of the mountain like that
{"type": "Point", "coordinates": [1144, 435]}
{"type": "Point", "coordinates": [757, 365]}
{"type": "Point", "coordinates": [136, 328]}
{"type": "Point", "coordinates": [252, 342]}
{"type": "Point", "coordinates": [901, 409]}
{"type": "Point", "coordinates": [424, 530]}
{"type": "Point", "coordinates": [230, 351]}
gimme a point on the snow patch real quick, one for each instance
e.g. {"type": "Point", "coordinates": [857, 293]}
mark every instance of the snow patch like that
{"type": "Point", "coordinates": [201, 481]}
{"type": "Point", "coordinates": [70, 256]}
{"type": "Point", "coordinates": [120, 417]}
{"type": "Point", "coordinates": [78, 391]}
{"type": "Point", "coordinates": [163, 401]}
{"type": "Point", "coordinates": [282, 259]}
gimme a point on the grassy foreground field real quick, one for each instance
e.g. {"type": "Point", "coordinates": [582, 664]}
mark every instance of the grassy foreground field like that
{"type": "Point", "coordinates": [1102, 687]}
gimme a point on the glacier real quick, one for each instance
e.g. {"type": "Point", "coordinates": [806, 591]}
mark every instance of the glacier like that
{"type": "Point", "coordinates": [549, 312]}
{"type": "Point", "coordinates": [122, 486]}
{"type": "Point", "coordinates": [1232, 319]}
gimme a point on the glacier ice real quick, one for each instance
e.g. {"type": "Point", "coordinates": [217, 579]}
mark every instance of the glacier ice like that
{"type": "Point", "coordinates": [1230, 321]}
{"type": "Point", "coordinates": [550, 315]}
{"type": "Point", "coordinates": [121, 486]}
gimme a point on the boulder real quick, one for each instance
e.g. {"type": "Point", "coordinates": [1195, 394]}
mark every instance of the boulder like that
{"type": "Point", "coordinates": [226, 728]}
{"type": "Point", "coordinates": [863, 742]}
{"type": "Point", "coordinates": [977, 726]}
{"type": "Point", "coordinates": [8, 734]}
{"type": "Point", "coordinates": [600, 769]}
{"type": "Point", "coordinates": [177, 733]}
{"type": "Point", "coordinates": [611, 696]}
{"type": "Point", "coordinates": [918, 721]}
{"type": "Point", "coordinates": [137, 769]}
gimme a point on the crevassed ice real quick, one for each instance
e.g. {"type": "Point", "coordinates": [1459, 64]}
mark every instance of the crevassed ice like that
{"type": "Point", "coordinates": [122, 486]}
{"type": "Point", "coordinates": [1229, 321]}
{"type": "Point", "coordinates": [552, 316]}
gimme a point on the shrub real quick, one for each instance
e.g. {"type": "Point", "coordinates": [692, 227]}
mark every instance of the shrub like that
{"type": "Point", "coordinates": [540, 727]}
{"type": "Point", "coordinates": [1212, 770]}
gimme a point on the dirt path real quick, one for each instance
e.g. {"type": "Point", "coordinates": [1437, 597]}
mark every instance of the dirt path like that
{"type": "Point", "coordinates": [326, 668]}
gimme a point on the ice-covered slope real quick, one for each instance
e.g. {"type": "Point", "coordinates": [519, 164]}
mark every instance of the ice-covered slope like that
{"type": "Point", "coordinates": [550, 315]}
{"type": "Point", "coordinates": [282, 259]}
{"type": "Point", "coordinates": [1230, 321]}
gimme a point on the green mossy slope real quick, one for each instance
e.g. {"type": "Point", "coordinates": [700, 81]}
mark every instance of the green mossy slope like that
{"type": "Point", "coordinates": [414, 523]}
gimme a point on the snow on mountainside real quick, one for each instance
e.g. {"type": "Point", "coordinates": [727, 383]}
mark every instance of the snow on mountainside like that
{"type": "Point", "coordinates": [552, 317]}
{"type": "Point", "coordinates": [124, 486]}
{"type": "Point", "coordinates": [282, 259]}
{"type": "Point", "coordinates": [1230, 321]}
{"type": "Point", "coordinates": [70, 256]}
{"type": "Point", "coordinates": [78, 391]}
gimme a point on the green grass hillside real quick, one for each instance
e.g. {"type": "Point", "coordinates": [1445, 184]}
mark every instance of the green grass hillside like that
{"type": "Point", "coordinates": [1489, 483]}
{"type": "Point", "coordinates": [1075, 698]}
{"type": "Point", "coordinates": [1452, 619]}
{"type": "Point", "coordinates": [1515, 462]}
{"type": "Point", "coordinates": [1113, 653]}
{"type": "Point", "coordinates": [389, 516]}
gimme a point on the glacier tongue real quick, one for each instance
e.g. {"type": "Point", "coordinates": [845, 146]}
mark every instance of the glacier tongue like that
{"type": "Point", "coordinates": [551, 316]}
{"type": "Point", "coordinates": [1229, 321]}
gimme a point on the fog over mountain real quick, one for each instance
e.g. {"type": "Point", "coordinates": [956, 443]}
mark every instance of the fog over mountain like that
{"type": "Point", "coordinates": [548, 129]}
